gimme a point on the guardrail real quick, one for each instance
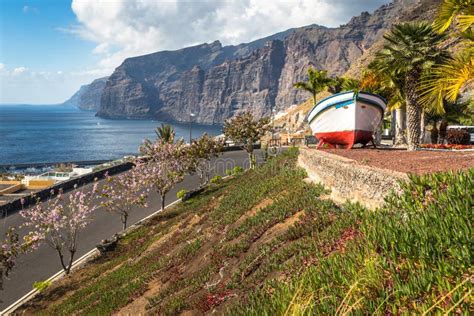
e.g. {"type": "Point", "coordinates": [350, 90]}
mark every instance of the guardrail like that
{"type": "Point", "coordinates": [68, 185]}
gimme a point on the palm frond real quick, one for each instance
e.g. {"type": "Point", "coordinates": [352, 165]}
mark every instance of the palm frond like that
{"type": "Point", "coordinates": [445, 81]}
{"type": "Point", "coordinates": [465, 22]}
{"type": "Point", "coordinates": [446, 13]}
{"type": "Point", "coordinates": [449, 10]}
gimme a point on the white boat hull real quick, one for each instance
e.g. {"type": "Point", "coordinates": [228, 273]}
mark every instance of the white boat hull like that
{"type": "Point", "coordinates": [346, 119]}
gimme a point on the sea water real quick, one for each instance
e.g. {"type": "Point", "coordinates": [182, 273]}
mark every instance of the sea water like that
{"type": "Point", "coordinates": [41, 134]}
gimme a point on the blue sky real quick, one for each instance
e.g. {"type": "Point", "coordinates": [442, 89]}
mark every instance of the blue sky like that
{"type": "Point", "coordinates": [32, 36]}
{"type": "Point", "coordinates": [48, 48]}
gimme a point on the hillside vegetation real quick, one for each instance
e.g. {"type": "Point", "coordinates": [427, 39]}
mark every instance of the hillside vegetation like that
{"type": "Point", "coordinates": [268, 242]}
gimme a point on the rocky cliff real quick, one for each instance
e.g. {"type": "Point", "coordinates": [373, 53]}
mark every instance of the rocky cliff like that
{"type": "Point", "coordinates": [88, 96]}
{"type": "Point", "coordinates": [217, 82]}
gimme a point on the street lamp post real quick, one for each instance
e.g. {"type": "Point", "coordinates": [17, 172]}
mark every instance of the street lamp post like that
{"type": "Point", "coordinates": [191, 115]}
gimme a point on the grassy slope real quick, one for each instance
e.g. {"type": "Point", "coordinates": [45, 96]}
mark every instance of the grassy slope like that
{"type": "Point", "coordinates": [267, 242]}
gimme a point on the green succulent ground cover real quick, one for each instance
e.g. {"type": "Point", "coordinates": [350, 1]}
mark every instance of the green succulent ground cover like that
{"type": "Point", "coordinates": [266, 243]}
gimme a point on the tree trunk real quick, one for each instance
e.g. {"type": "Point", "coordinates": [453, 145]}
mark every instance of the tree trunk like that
{"type": "Point", "coordinates": [250, 153]}
{"type": "Point", "coordinates": [162, 200]}
{"type": "Point", "coordinates": [71, 260]}
{"type": "Point", "coordinates": [400, 126]}
{"type": "Point", "coordinates": [378, 134]}
{"type": "Point", "coordinates": [124, 218]}
{"type": "Point", "coordinates": [434, 133]}
{"type": "Point", "coordinates": [443, 131]}
{"type": "Point", "coordinates": [66, 268]}
{"type": "Point", "coordinates": [252, 160]}
{"type": "Point", "coordinates": [61, 258]}
{"type": "Point", "coordinates": [422, 126]}
{"type": "Point", "coordinates": [393, 124]}
{"type": "Point", "coordinates": [413, 109]}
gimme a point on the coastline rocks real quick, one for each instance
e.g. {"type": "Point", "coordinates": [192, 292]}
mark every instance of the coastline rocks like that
{"type": "Point", "coordinates": [87, 98]}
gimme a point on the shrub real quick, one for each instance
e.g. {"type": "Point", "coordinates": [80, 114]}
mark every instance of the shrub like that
{"type": "Point", "coordinates": [216, 179]}
{"type": "Point", "coordinates": [234, 171]}
{"type": "Point", "coordinates": [237, 170]}
{"type": "Point", "coordinates": [181, 193]}
{"type": "Point", "coordinates": [41, 285]}
{"type": "Point", "coordinates": [458, 136]}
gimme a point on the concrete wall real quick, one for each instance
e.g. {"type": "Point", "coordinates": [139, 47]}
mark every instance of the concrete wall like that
{"type": "Point", "coordinates": [39, 184]}
{"type": "Point", "coordinates": [68, 185]}
{"type": "Point", "coordinates": [349, 180]}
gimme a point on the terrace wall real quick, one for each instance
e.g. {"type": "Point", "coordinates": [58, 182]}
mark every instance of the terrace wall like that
{"type": "Point", "coordinates": [349, 180]}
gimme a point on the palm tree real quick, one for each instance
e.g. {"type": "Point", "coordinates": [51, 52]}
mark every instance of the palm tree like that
{"type": "Point", "coordinates": [391, 88]}
{"type": "Point", "coordinates": [340, 84]}
{"type": "Point", "coordinates": [410, 48]}
{"type": "Point", "coordinates": [318, 80]}
{"type": "Point", "coordinates": [445, 80]}
{"type": "Point", "coordinates": [461, 12]}
{"type": "Point", "coordinates": [165, 133]}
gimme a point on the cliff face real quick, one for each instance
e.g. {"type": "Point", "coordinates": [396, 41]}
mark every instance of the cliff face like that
{"type": "Point", "coordinates": [87, 98]}
{"type": "Point", "coordinates": [218, 82]}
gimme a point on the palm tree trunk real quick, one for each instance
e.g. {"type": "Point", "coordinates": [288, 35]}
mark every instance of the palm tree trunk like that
{"type": "Point", "coordinates": [400, 126]}
{"type": "Point", "coordinates": [393, 122]}
{"type": "Point", "coordinates": [443, 131]}
{"type": "Point", "coordinates": [434, 132]}
{"type": "Point", "coordinates": [422, 126]}
{"type": "Point", "coordinates": [413, 110]}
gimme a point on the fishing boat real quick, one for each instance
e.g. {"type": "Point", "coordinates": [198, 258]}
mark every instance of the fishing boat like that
{"type": "Point", "coordinates": [346, 118]}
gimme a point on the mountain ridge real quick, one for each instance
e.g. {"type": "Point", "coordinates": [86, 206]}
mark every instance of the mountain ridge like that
{"type": "Point", "coordinates": [87, 98]}
{"type": "Point", "coordinates": [217, 82]}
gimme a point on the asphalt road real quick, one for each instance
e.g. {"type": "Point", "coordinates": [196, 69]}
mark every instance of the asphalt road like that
{"type": "Point", "coordinates": [43, 263]}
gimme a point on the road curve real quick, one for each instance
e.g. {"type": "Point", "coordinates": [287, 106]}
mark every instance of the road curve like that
{"type": "Point", "coordinates": [42, 263]}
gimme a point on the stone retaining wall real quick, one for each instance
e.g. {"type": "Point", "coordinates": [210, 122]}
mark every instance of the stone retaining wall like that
{"type": "Point", "coordinates": [349, 180]}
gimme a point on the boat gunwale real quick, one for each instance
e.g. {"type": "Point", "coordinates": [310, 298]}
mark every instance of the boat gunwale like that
{"type": "Point", "coordinates": [355, 98]}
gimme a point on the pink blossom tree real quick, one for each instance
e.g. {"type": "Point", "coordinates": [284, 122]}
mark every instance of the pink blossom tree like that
{"type": "Point", "coordinates": [247, 130]}
{"type": "Point", "coordinates": [200, 152]}
{"type": "Point", "coordinates": [121, 193]}
{"type": "Point", "coordinates": [58, 221]}
{"type": "Point", "coordinates": [166, 165]}
{"type": "Point", "coordinates": [10, 248]}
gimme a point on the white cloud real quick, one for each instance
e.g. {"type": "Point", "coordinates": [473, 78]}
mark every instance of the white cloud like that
{"type": "Point", "coordinates": [19, 70]}
{"type": "Point", "coordinates": [27, 9]}
{"type": "Point", "coordinates": [22, 85]}
{"type": "Point", "coordinates": [135, 28]}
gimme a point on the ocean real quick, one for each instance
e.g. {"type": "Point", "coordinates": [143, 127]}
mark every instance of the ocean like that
{"type": "Point", "coordinates": [43, 134]}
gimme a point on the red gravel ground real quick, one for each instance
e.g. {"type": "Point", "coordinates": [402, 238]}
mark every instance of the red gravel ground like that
{"type": "Point", "coordinates": [417, 162]}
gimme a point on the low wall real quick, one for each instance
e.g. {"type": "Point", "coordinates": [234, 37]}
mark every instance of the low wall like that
{"type": "Point", "coordinates": [15, 205]}
{"type": "Point", "coordinates": [349, 180]}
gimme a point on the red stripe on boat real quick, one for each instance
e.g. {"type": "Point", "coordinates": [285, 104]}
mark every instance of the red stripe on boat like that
{"type": "Point", "coordinates": [345, 138]}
